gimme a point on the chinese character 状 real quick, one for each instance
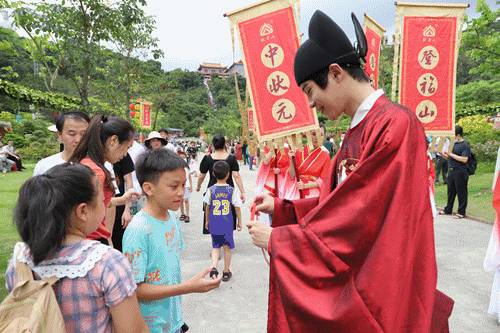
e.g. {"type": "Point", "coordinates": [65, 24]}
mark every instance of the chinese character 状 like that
{"type": "Point", "coordinates": [277, 85]}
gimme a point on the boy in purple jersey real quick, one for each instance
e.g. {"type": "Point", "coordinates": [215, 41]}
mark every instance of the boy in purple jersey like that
{"type": "Point", "coordinates": [220, 199]}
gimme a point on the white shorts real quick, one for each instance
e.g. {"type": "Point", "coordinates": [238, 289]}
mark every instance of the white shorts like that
{"type": "Point", "coordinates": [187, 193]}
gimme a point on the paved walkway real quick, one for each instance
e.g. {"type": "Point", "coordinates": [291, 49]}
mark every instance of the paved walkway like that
{"type": "Point", "coordinates": [240, 305]}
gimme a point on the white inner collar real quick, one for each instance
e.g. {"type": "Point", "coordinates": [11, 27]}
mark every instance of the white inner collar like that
{"type": "Point", "coordinates": [366, 106]}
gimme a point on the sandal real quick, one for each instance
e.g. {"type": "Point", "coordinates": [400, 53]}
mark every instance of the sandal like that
{"type": "Point", "coordinates": [459, 216]}
{"type": "Point", "coordinates": [186, 219]}
{"type": "Point", "coordinates": [214, 273]}
{"type": "Point", "coordinates": [226, 276]}
{"type": "Point", "coordinates": [442, 212]}
{"type": "Point", "coordinates": [183, 217]}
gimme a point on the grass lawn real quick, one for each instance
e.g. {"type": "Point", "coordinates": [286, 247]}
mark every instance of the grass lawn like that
{"type": "Point", "coordinates": [9, 187]}
{"type": "Point", "coordinates": [479, 203]}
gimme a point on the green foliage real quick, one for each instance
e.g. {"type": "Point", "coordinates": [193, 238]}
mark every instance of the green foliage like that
{"type": "Point", "coordinates": [486, 151]}
{"type": "Point", "coordinates": [481, 43]}
{"type": "Point", "coordinates": [477, 129]}
{"type": "Point", "coordinates": [478, 97]}
{"type": "Point", "coordinates": [223, 121]}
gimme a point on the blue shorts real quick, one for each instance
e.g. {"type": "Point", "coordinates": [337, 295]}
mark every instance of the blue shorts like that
{"type": "Point", "coordinates": [220, 240]}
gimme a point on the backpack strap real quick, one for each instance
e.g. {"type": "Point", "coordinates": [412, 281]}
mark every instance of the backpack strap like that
{"type": "Point", "coordinates": [23, 272]}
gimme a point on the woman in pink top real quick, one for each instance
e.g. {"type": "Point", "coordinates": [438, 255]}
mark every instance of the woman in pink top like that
{"type": "Point", "coordinates": [107, 140]}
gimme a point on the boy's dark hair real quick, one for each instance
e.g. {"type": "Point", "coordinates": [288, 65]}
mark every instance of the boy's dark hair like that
{"type": "Point", "coordinates": [76, 115]}
{"type": "Point", "coordinates": [99, 130]}
{"type": "Point", "coordinates": [459, 130]}
{"type": "Point", "coordinates": [163, 130]}
{"type": "Point", "coordinates": [153, 163]}
{"type": "Point", "coordinates": [46, 203]}
{"type": "Point", "coordinates": [356, 72]}
{"type": "Point", "coordinates": [221, 169]}
{"type": "Point", "coordinates": [219, 141]}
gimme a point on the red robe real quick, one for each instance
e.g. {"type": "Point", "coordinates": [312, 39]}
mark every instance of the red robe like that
{"type": "Point", "coordinates": [360, 258]}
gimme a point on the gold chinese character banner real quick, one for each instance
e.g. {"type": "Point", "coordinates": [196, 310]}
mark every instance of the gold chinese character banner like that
{"type": "Point", "coordinates": [428, 37]}
{"type": "Point", "coordinates": [374, 34]}
{"type": "Point", "coordinates": [269, 40]}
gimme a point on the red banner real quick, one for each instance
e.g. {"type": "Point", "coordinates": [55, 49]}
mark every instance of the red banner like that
{"type": "Point", "coordinates": [373, 55]}
{"type": "Point", "coordinates": [251, 125]}
{"type": "Point", "coordinates": [428, 70]}
{"type": "Point", "coordinates": [146, 116]}
{"type": "Point", "coordinates": [269, 45]}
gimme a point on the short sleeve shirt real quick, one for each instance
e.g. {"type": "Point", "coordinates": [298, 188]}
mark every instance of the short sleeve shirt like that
{"type": "Point", "coordinates": [102, 231]}
{"type": "Point", "coordinates": [460, 149]}
{"type": "Point", "coordinates": [207, 164]}
{"type": "Point", "coordinates": [47, 163]}
{"type": "Point", "coordinates": [85, 301]}
{"type": "Point", "coordinates": [122, 168]}
{"type": "Point", "coordinates": [153, 248]}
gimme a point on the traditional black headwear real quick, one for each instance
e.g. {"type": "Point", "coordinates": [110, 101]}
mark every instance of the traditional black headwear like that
{"type": "Point", "coordinates": [328, 44]}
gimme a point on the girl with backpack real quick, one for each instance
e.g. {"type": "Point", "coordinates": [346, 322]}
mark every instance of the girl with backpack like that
{"type": "Point", "coordinates": [95, 289]}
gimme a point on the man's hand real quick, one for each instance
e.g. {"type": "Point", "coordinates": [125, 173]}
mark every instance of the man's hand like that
{"type": "Point", "coordinates": [301, 185]}
{"type": "Point", "coordinates": [243, 197]}
{"type": "Point", "coordinates": [131, 196]}
{"type": "Point", "coordinates": [260, 233]}
{"type": "Point", "coordinates": [239, 226]}
{"type": "Point", "coordinates": [200, 283]}
{"type": "Point", "coordinates": [198, 188]}
{"type": "Point", "coordinates": [264, 203]}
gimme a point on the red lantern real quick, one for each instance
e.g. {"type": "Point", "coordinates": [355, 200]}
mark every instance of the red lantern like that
{"type": "Point", "coordinates": [132, 107]}
{"type": "Point", "coordinates": [132, 114]}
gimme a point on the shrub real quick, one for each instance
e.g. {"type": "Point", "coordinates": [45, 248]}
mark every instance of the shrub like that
{"type": "Point", "coordinates": [478, 130]}
{"type": "Point", "coordinates": [486, 151]}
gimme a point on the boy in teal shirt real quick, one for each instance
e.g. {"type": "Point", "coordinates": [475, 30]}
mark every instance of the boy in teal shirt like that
{"type": "Point", "coordinates": [153, 241]}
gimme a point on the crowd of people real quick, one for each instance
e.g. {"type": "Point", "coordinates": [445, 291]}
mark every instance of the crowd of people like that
{"type": "Point", "coordinates": [101, 215]}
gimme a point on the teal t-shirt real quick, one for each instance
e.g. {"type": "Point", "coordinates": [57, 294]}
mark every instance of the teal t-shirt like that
{"type": "Point", "coordinates": [153, 248]}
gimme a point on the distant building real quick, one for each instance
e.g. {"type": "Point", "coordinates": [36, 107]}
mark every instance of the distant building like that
{"type": "Point", "coordinates": [210, 69]}
{"type": "Point", "coordinates": [237, 68]}
{"type": "Point", "coordinates": [6, 20]}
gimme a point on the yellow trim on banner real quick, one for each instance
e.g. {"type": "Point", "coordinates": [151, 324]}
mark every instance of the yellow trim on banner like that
{"type": "Point", "coordinates": [432, 5]}
{"type": "Point", "coordinates": [374, 25]}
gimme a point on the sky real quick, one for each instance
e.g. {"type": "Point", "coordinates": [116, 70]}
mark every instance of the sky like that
{"type": "Point", "coordinates": [191, 32]}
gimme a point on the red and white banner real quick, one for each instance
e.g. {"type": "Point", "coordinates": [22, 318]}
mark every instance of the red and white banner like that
{"type": "Point", "coordinates": [374, 34]}
{"type": "Point", "coordinates": [146, 115]}
{"type": "Point", "coordinates": [429, 49]}
{"type": "Point", "coordinates": [269, 40]}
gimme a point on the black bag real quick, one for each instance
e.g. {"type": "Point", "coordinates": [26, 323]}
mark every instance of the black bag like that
{"type": "Point", "coordinates": [471, 164]}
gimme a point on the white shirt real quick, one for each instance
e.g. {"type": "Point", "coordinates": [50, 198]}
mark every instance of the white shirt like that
{"type": "Point", "coordinates": [135, 151]}
{"type": "Point", "coordinates": [47, 163]}
{"type": "Point", "coordinates": [171, 147]}
{"type": "Point", "coordinates": [365, 106]}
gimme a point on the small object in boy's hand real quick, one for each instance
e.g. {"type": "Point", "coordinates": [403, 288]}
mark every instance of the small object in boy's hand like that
{"type": "Point", "coordinates": [184, 328]}
{"type": "Point", "coordinates": [214, 273]}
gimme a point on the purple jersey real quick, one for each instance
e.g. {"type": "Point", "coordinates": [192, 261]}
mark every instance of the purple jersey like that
{"type": "Point", "coordinates": [221, 215]}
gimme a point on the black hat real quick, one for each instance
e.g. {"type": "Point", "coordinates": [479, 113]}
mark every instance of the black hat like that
{"type": "Point", "coordinates": [327, 44]}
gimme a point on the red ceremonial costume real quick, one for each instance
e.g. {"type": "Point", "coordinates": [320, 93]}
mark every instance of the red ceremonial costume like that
{"type": "Point", "coordinates": [360, 258]}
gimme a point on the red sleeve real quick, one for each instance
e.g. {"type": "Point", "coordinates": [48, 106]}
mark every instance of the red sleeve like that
{"type": "Point", "coordinates": [288, 211]}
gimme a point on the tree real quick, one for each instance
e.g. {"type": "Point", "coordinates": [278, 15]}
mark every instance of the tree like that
{"type": "Point", "coordinates": [481, 42]}
{"type": "Point", "coordinates": [77, 29]}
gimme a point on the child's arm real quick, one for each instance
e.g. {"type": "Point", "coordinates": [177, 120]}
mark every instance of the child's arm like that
{"type": "Point", "coordinates": [127, 317]}
{"type": "Point", "coordinates": [197, 284]}
{"type": "Point", "coordinates": [238, 216]}
{"type": "Point", "coordinates": [207, 215]}
{"type": "Point", "coordinates": [190, 182]}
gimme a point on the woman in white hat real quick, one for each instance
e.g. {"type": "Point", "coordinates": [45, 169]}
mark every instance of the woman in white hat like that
{"type": "Point", "coordinates": [155, 141]}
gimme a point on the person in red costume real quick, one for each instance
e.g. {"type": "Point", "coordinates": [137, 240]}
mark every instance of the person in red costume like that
{"type": "Point", "coordinates": [312, 168]}
{"type": "Point", "coordinates": [361, 257]}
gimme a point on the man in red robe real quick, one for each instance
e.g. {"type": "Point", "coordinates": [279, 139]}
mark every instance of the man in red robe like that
{"type": "Point", "coordinates": [361, 257]}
